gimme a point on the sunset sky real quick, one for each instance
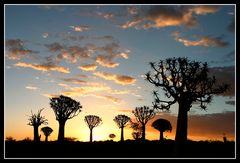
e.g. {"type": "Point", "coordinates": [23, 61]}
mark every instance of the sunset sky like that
{"type": "Point", "coordinates": [98, 55]}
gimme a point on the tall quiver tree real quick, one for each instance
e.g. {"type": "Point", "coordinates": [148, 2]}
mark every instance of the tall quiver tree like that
{"type": "Point", "coordinates": [121, 121]}
{"type": "Point", "coordinates": [184, 82]}
{"type": "Point", "coordinates": [143, 115]}
{"type": "Point", "coordinates": [92, 121]}
{"type": "Point", "coordinates": [162, 125]}
{"type": "Point", "coordinates": [47, 132]}
{"type": "Point", "coordinates": [64, 108]}
{"type": "Point", "coordinates": [36, 120]}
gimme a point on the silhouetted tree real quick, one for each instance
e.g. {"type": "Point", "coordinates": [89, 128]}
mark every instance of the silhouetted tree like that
{"type": "Point", "coordinates": [112, 136]}
{"type": "Point", "coordinates": [121, 121]}
{"type": "Point", "coordinates": [143, 115]}
{"type": "Point", "coordinates": [92, 121]}
{"type": "Point", "coordinates": [47, 132]}
{"type": "Point", "coordinates": [185, 82]}
{"type": "Point", "coordinates": [162, 125]}
{"type": "Point", "coordinates": [137, 130]}
{"type": "Point", "coordinates": [64, 108]}
{"type": "Point", "coordinates": [36, 120]}
{"type": "Point", "coordinates": [10, 139]}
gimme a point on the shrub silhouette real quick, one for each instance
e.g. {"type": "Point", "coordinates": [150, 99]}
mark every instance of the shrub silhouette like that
{"type": "Point", "coordinates": [36, 120]}
{"type": "Point", "coordinates": [162, 125]}
{"type": "Point", "coordinates": [112, 136]}
{"type": "Point", "coordinates": [185, 82]}
{"type": "Point", "coordinates": [10, 139]}
{"type": "Point", "coordinates": [121, 121]}
{"type": "Point", "coordinates": [64, 108]}
{"type": "Point", "coordinates": [92, 121]}
{"type": "Point", "coordinates": [47, 132]}
{"type": "Point", "coordinates": [143, 115]}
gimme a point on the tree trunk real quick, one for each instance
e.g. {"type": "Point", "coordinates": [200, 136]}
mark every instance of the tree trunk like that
{"type": "Point", "coordinates": [46, 138]}
{"type": "Point", "coordinates": [61, 130]}
{"type": "Point", "coordinates": [143, 131]}
{"type": "Point", "coordinates": [122, 139]}
{"type": "Point", "coordinates": [36, 136]}
{"type": "Point", "coordinates": [181, 131]}
{"type": "Point", "coordinates": [161, 136]}
{"type": "Point", "coordinates": [91, 134]}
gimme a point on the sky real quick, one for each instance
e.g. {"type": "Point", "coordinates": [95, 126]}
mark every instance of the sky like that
{"type": "Point", "coordinates": [98, 55]}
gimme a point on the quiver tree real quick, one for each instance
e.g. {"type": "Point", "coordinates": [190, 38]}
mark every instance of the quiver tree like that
{"type": "Point", "coordinates": [143, 115]}
{"type": "Point", "coordinates": [121, 121]}
{"type": "Point", "coordinates": [184, 82]}
{"type": "Point", "coordinates": [36, 120]}
{"type": "Point", "coordinates": [137, 130]}
{"type": "Point", "coordinates": [64, 108]}
{"type": "Point", "coordinates": [162, 125]}
{"type": "Point", "coordinates": [47, 132]}
{"type": "Point", "coordinates": [92, 121]}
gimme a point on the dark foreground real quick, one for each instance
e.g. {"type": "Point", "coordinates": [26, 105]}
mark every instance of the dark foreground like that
{"type": "Point", "coordinates": [109, 149]}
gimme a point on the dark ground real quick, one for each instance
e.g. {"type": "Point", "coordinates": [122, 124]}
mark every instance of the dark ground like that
{"type": "Point", "coordinates": [109, 149]}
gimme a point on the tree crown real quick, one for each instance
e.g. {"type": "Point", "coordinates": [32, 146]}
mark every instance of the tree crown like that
{"type": "Point", "coordinates": [162, 125]}
{"type": "Point", "coordinates": [121, 120]}
{"type": "Point", "coordinates": [183, 80]}
{"type": "Point", "coordinates": [47, 130]}
{"type": "Point", "coordinates": [92, 121]}
{"type": "Point", "coordinates": [65, 107]}
{"type": "Point", "coordinates": [37, 119]}
{"type": "Point", "coordinates": [143, 114]}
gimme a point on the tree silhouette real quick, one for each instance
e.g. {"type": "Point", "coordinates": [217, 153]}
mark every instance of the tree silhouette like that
{"type": "Point", "coordinates": [64, 108]}
{"type": "Point", "coordinates": [162, 125]}
{"type": "Point", "coordinates": [92, 121]}
{"type": "Point", "coordinates": [185, 82]}
{"type": "Point", "coordinates": [137, 130]}
{"type": "Point", "coordinates": [143, 115]}
{"type": "Point", "coordinates": [36, 120]}
{"type": "Point", "coordinates": [47, 132]}
{"type": "Point", "coordinates": [121, 121]}
{"type": "Point", "coordinates": [112, 136]}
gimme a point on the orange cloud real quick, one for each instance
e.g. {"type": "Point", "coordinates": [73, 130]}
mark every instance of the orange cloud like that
{"type": "Point", "coordinates": [16, 49]}
{"type": "Point", "coordinates": [43, 67]}
{"type": "Point", "coordinates": [207, 9]}
{"type": "Point", "coordinates": [117, 92]}
{"type": "Point", "coordinates": [31, 88]}
{"type": "Point", "coordinates": [130, 24]}
{"type": "Point", "coordinates": [204, 41]}
{"type": "Point", "coordinates": [120, 79]}
{"type": "Point", "coordinates": [106, 61]}
{"type": "Point", "coordinates": [124, 55]}
{"type": "Point", "coordinates": [73, 53]}
{"type": "Point", "coordinates": [77, 81]}
{"type": "Point", "coordinates": [89, 67]}
{"type": "Point", "coordinates": [82, 91]}
{"type": "Point", "coordinates": [110, 98]}
{"type": "Point", "coordinates": [63, 85]}
{"type": "Point", "coordinates": [49, 95]}
{"type": "Point", "coordinates": [164, 16]}
{"type": "Point", "coordinates": [80, 28]}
